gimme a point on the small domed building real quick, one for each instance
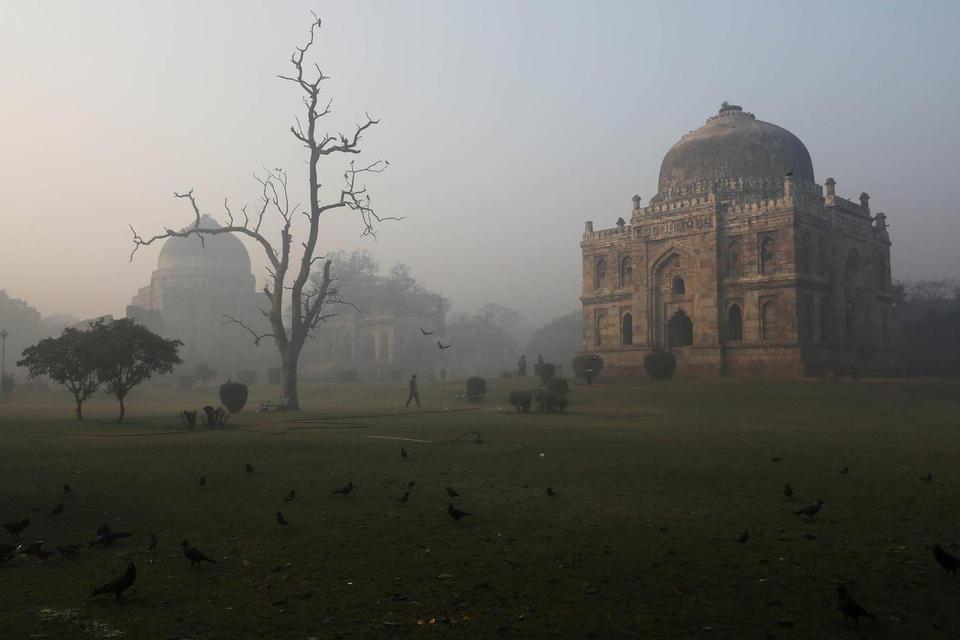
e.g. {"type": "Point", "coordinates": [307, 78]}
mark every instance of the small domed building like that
{"type": "Point", "coordinates": [741, 264]}
{"type": "Point", "coordinates": [194, 286]}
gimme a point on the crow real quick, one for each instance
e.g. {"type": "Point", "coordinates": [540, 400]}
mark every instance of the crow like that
{"type": "Point", "coordinates": [153, 543]}
{"type": "Point", "coordinates": [57, 510]}
{"type": "Point", "coordinates": [743, 537]}
{"type": "Point", "coordinates": [551, 492]}
{"type": "Point", "coordinates": [67, 489]}
{"type": "Point", "coordinates": [402, 499]}
{"type": "Point", "coordinates": [442, 346]}
{"type": "Point", "coordinates": [16, 528]}
{"type": "Point", "coordinates": [69, 549]}
{"type": "Point", "coordinates": [120, 584]}
{"type": "Point", "coordinates": [787, 491]}
{"type": "Point", "coordinates": [281, 520]}
{"type": "Point", "coordinates": [844, 471]}
{"type": "Point", "coordinates": [929, 477]}
{"type": "Point", "coordinates": [250, 468]}
{"type": "Point", "coordinates": [452, 492]}
{"type": "Point", "coordinates": [104, 528]}
{"type": "Point", "coordinates": [106, 538]}
{"type": "Point", "coordinates": [7, 552]}
{"type": "Point", "coordinates": [290, 496]}
{"type": "Point", "coordinates": [194, 555]}
{"type": "Point", "coordinates": [455, 513]}
{"type": "Point", "coordinates": [426, 333]}
{"type": "Point", "coordinates": [403, 453]}
{"type": "Point", "coordinates": [344, 490]}
{"type": "Point", "coordinates": [947, 560]}
{"type": "Point", "coordinates": [850, 607]}
{"type": "Point", "coordinates": [411, 483]}
{"type": "Point", "coordinates": [810, 510]}
{"type": "Point", "coordinates": [203, 481]}
{"type": "Point", "coordinates": [36, 550]}
{"type": "Point", "coordinates": [776, 459]}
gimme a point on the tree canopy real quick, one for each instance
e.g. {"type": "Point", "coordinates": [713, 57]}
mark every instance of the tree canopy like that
{"type": "Point", "coordinates": [70, 360]}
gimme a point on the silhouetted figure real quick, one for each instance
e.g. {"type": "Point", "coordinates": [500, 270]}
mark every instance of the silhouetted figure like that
{"type": "Point", "coordinates": [850, 607]}
{"type": "Point", "coordinates": [522, 367]}
{"type": "Point", "coordinates": [290, 496]}
{"type": "Point", "coordinates": [411, 483]}
{"type": "Point", "coordinates": [344, 490]}
{"type": "Point", "coordinates": [787, 491]}
{"type": "Point", "coordinates": [551, 492]}
{"type": "Point", "coordinates": [152, 547]}
{"type": "Point", "coordinates": [107, 538]}
{"type": "Point", "coordinates": [743, 537]}
{"type": "Point", "coordinates": [426, 333]}
{"type": "Point", "coordinates": [194, 555]}
{"type": "Point", "coordinates": [67, 489]}
{"type": "Point", "coordinates": [452, 492]}
{"type": "Point", "coordinates": [539, 365]}
{"type": "Point", "coordinates": [69, 549]}
{"type": "Point", "coordinates": [281, 520]}
{"type": "Point", "coordinates": [403, 453]}
{"type": "Point", "coordinates": [16, 528]}
{"type": "Point", "coordinates": [948, 561]}
{"type": "Point", "coordinates": [402, 499]}
{"type": "Point", "coordinates": [57, 510]}
{"type": "Point", "coordinates": [203, 481]}
{"type": "Point", "coordinates": [250, 468]}
{"type": "Point", "coordinates": [810, 510]}
{"type": "Point", "coordinates": [929, 477]}
{"type": "Point", "coordinates": [118, 585]}
{"type": "Point", "coordinates": [844, 471]}
{"type": "Point", "coordinates": [455, 513]}
{"type": "Point", "coordinates": [414, 392]}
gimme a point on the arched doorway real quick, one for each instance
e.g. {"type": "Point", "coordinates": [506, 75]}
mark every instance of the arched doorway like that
{"type": "Point", "coordinates": [734, 323]}
{"type": "Point", "coordinates": [626, 329]}
{"type": "Point", "coordinates": [679, 330]}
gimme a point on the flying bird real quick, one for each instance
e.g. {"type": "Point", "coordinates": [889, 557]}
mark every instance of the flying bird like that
{"type": "Point", "coordinates": [344, 490]}
{"type": "Point", "coordinates": [850, 607]}
{"type": "Point", "coordinates": [743, 537]}
{"type": "Point", "coordinates": [120, 584]}
{"type": "Point", "coordinates": [16, 528]}
{"type": "Point", "coordinates": [426, 333]}
{"type": "Point", "coordinates": [153, 543]}
{"type": "Point", "coordinates": [948, 561]}
{"type": "Point", "coordinates": [281, 520]}
{"type": "Point", "coordinates": [810, 510]}
{"type": "Point", "coordinates": [290, 496]}
{"type": "Point", "coordinates": [455, 513]}
{"type": "Point", "coordinates": [250, 468]}
{"type": "Point", "coordinates": [452, 492]}
{"type": "Point", "coordinates": [787, 491]}
{"type": "Point", "coordinates": [551, 492]}
{"type": "Point", "coordinates": [194, 555]}
{"type": "Point", "coordinates": [442, 346]}
{"type": "Point", "coordinates": [57, 510]}
{"type": "Point", "coordinates": [403, 453]}
{"type": "Point", "coordinates": [402, 499]}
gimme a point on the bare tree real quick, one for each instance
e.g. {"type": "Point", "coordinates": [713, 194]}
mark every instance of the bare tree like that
{"type": "Point", "coordinates": [292, 320]}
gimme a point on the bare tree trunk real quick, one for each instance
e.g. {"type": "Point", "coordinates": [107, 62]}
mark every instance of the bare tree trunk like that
{"type": "Point", "coordinates": [79, 408]}
{"type": "Point", "coordinates": [288, 380]}
{"type": "Point", "coordinates": [123, 410]}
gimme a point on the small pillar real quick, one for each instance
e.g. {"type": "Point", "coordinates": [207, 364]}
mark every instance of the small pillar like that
{"type": "Point", "coordinates": [788, 182]}
{"type": "Point", "coordinates": [588, 226]}
{"type": "Point", "coordinates": [831, 186]}
{"type": "Point", "coordinates": [865, 202]}
{"type": "Point", "coordinates": [636, 202]}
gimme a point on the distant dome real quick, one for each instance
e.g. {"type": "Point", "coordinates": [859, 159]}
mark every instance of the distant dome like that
{"type": "Point", "coordinates": [733, 144]}
{"type": "Point", "coordinates": [221, 254]}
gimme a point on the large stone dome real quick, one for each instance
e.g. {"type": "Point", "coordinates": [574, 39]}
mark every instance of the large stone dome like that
{"type": "Point", "coordinates": [732, 145]}
{"type": "Point", "coordinates": [219, 254]}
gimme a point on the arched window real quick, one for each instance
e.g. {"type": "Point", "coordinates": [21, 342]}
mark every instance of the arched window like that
{"type": "Point", "coordinates": [626, 271]}
{"type": "Point", "coordinates": [599, 273]}
{"type": "Point", "coordinates": [850, 323]}
{"type": "Point", "coordinates": [598, 322]}
{"type": "Point", "coordinates": [767, 311]}
{"type": "Point", "coordinates": [732, 265]}
{"type": "Point", "coordinates": [734, 323]}
{"type": "Point", "coordinates": [680, 330]}
{"type": "Point", "coordinates": [626, 329]}
{"type": "Point", "coordinates": [767, 255]}
{"type": "Point", "coordinates": [677, 286]}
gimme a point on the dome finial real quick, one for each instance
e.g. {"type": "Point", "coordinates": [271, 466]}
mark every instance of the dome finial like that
{"type": "Point", "coordinates": [726, 107]}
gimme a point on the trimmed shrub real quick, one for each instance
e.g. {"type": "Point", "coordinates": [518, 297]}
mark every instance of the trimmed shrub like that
{"type": "Point", "coordinates": [348, 375]}
{"type": "Point", "coordinates": [587, 366]}
{"type": "Point", "coordinates": [551, 402]}
{"type": "Point", "coordinates": [274, 376]}
{"type": "Point", "coordinates": [660, 364]}
{"type": "Point", "coordinates": [233, 395]}
{"type": "Point", "coordinates": [247, 376]}
{"type": "Point", "coordinates": [476, 388]}
{"type": "Point", "coordinates": [558, 386]}
{"type": "Point", "coordinates": [547, 372]}
{"type": "Point", "coordinates": [521, 401]}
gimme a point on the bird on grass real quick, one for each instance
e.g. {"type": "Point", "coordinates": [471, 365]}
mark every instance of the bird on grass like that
{"type": "Point", "coordinates": [203, 481]}
{"type": "Point", "coordinates": [281, 520]}
{"type": "Point", "coordinates": [152, 547]}
{"type": "Point", "coordinates": [35, 549]}
{"type": "Point", "coordinates": [455, 513]}
{"type": "Point", "coordinates": [67, 489]}
{"type": "Point", "coordinates": [442, 346]}
{"type": "Point", "coordinates": [16, 527]}
{"type": "Point", "coordinates": [344, 490]}
{"type": "Point", "coordinates": [743, 537]}
{"type": "Point", "coordinates": [945, 559]}
{"type": "Point", "coordinates": [104, 528]}
{"type": "Point", "coordinates": [402, 499]}
{"type": "Point", "coordinates": [119, 584]}
{"type": "Point", "coordinates": [108, 537]}
{"type": "Point", "coordinates": [452, 492]}
{"type": "Point", "coordinates": [844, 471]}
{"type": "Point", "coordinates": [69, 549]}
{"type": "Point", "coordinates": [850, 607]}
{"type": "Point", "coordinates": [290, 496]}
{"type": "Point", "coordinates": [57, 510]}
{"type": "Point", "coordinates": [787, 491]}
{"type": "Point", "coordinates": [551, 492]}
{"type": "Point", "coordinates": [194, 555]}
{"type": "Point", "coordinates": [250, 468]}
{"type": "Point", "coordinates": [426, 333]}
{"type": "Point", "coordinates": [403, 453]}
{"type": "Point", "coordinates": [411, 483]}
{"type": "Point", "coordinates": [776, 459]}
{"type": "Point", "coordinates": [810, 510]}
{"type": "Point", "coordinates": [929, 477]}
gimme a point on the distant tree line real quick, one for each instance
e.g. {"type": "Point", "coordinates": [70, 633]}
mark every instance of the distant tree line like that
{"type": "Point", "coordinates": [926, 321]}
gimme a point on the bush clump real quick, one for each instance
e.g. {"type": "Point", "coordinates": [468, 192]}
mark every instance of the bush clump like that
{"type": "Point", "coordinates": [587, 366]}
{"type": "Point", "coordinates": [660, 364]}
{"type": "Point", "coordinates": [521, 401]}
{"type": "Point", "coordinates": [558, 386]}
{"type": "Point", "coordinates": [476, 388]}
{"type": "Point", "coordinates": [233, 395]}
{"type": "Point", "coordinates": [551, 402]}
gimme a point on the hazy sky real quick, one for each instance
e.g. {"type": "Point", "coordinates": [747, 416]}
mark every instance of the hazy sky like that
{"type": "Point", "coordinates": [507, 124]}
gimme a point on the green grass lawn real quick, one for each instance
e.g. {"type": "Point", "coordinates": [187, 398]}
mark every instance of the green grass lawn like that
{"type": "Point", "coordinates": [654, 483]}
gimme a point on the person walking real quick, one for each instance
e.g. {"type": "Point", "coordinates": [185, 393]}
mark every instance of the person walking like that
{"type": "Point", "coordinates": [414, 393]}
{"type": "Point", "coordinates": [539, 365]}
{"type": "Point", "coordinates": [522, 367]}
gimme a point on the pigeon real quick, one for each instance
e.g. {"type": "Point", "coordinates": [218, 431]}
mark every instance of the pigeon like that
{"type": "Point", "coordinates": [120, 584]}
{"type": "Point", "coordinates": [442, 346]}
{"type": "Point", "coordinates": [194, 555]}
{"type": "Point", "coordinates": [402, 499]}
{"type": "Point", "coordinates": [551, 492]}
{"type": "Point", "coordinates": [67, 489]}
{"type": "Point", "coordinates": [203, 481]}
{"type": "Point", "coordinates": [452, 492]}
{"type": "Point", "coordinates": [426, 333]}
{"type": "Point", "coordinates": [16, 528]}
{"type": "Point", "coordinates": [787, 491]}
{"type": "Point", "coordinates": [850, 607]}
{"type": "Point", "coordinates": [810, 510]}
{"type": "Point", "coordinates": [948, 561]}
{"type": "Point", "coordinates": [743, 537]}
{"type": "Point", "coordinates": [250, 468]}
{"type": "Point", "coordinates": [403, 453]}
{"type": "Point", "coordinates": [290, 496]}
{"type": "Point", "coordinates": [345, 490]}
{"type": "Point", "coordinates": [57, 510]}
{"type": "Point", "coordinates": [844, 471]}
{"type": "Point", "coordinates": [411, 483]}
{"type": "Point", "coordinates": [69, 549]}
{"type": "Point", "coordinates": [153, 543]}
{"type": "Point", "coordinates": [107, 537]}
{"type": "Point", "coordinates": [455, 513]}
{"type": "Point", "coordinates": [929, 477]}
{"type": "Point", "coordinates": [281, 520]}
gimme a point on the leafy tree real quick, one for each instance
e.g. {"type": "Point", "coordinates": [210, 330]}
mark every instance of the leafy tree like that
{"type": "Point", "coordinates": [70, 360]}
{"type": "Point", "coordinates": [204, 373]}
{"type": "Point", "coordinates": [926, 323]}
{"type": "Point", "coordinates": [128, 354]}
{"type": "Point", "coordinates": [559, 339]}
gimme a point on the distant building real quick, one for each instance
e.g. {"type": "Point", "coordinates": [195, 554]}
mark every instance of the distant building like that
{"type": "Point", "coordinates": [741, 264]}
